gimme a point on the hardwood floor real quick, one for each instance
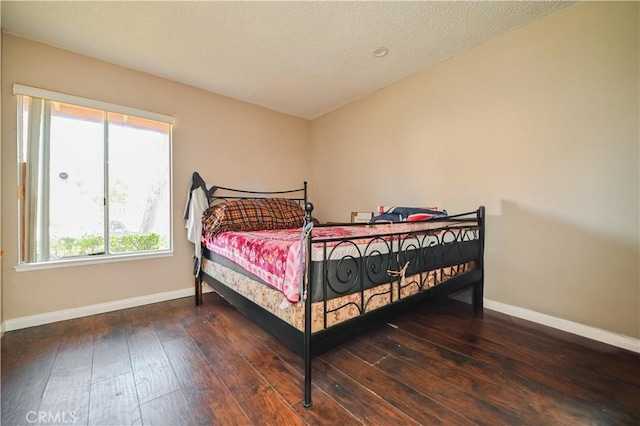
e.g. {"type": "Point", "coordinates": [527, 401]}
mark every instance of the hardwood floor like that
{"type": "Point", "coordinates": [173, 363]}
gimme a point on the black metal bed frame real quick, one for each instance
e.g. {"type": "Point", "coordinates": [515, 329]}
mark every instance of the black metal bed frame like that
{"type": "Point", "coordinates": [459, 241]}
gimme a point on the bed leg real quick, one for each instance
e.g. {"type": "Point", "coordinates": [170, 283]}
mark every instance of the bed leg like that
{"type": "Point", "coordinates": [478, 298]}
{"type": "Point", "coordinates": [198, 292]}
{"type": "Point", "coordinates": [307, 403]}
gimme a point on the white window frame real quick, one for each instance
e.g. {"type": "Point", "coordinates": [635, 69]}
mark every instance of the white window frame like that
{"type": "Point", "coordinates": [20, 89]}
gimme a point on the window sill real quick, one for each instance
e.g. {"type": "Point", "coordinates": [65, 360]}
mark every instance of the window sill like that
{"type": "Point", "coordinates": [91, 261]}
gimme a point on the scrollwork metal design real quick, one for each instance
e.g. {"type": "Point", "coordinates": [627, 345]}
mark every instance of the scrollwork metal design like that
{"type": "Point", "coordinates": [377, 259]}
{"type": "Point", "coordinates": [345, 275]}
{"type": "Point", "coordinates": [428, 257]}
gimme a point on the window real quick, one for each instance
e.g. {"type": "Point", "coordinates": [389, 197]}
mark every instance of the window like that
{"type": "Point", "coordinates": [94, 178]}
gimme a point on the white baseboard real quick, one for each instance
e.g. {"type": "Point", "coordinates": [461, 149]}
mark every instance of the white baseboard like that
{"type": "Point", "coordinates": [83, 311]}
{"type": "Point", "coordinates": [604, 336]}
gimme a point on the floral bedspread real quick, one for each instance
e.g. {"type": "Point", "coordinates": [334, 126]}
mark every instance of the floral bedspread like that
{"type": "Point", "coordinates": [272, 255]}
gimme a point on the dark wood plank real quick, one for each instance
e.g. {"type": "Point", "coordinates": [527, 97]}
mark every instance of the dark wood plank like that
{"type": "Point", "coordinates": [170, 410]}
{"type": "Point", "coordinates": [169, 329]}
{"type": "Point", "coordinates": [549, 372]}
{"type": "Point", "coordinates": [363, 403]}
{"type": "Point", "coordinates": [365, 351]}
{"type": "Point", "coordinates": [285, 380]}
{"type": "Point", "coordinates": [111, 356]}
{"type": "Point", "coordinates": [135, 317]}
{"type": "Point", "coordinates": [497, 386]}
{"type": "Point", "coordinates": [464, 402]}
{"type": "Point", "coordinates": [535, 342]}
{"type": "Point", "coordinates": [152, 371]}
{"type": "Point", "coordinates": [66, 397]}
{"type": "Point", "coordinates": [414, 404]}
{"type": "Point", "coordinates": [114, 402]}
{"type": "Point", "coordinates": [325, 411]}
{"type": "Point", "coordinates": [541, 361]}
{"type": "Point", "coordinates": [76, 344]}
{"type": "Point", "coordinates": [21, 340]}
{"type": "Point", "coordinates": [27, 360]}
{"type": "Point", "coordinates": [111, 349]}
{"type": "Point", "coordinates": [590, 354]}
{"type": "Point", "coordinates": [209, 399]}
{"type": "Point", "coordinates": [258, 399]}
{"type": "Point", "coordinates": [182, 308]}
{"type": "Point", "coordinates": [171, 311]}
{"type": "Point", "coordinates": [157, 311]}
{"type": "Point", "coordinates": [108, 322]}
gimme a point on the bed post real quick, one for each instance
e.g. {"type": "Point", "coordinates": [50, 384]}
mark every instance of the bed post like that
{"type": "Point", "coordinates": [198, 283]}
{"type": "Point", "coordinates": [306, 297]}
{"type": "Point", "coordinates": [305, 195]}
{"type": "Point", "coordinates": [478, 288]}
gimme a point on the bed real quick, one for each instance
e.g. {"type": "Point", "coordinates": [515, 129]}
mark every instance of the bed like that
{"type": "Point", "coordinates": [312, 285]}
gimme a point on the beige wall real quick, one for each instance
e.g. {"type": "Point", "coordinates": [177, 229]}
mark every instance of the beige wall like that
{"type": "Point", "coordinates": [1, 253]}
{"type": "Point", "coordinates": [541, 126]}
{"type": "Point", "coordinates": [229, 142]}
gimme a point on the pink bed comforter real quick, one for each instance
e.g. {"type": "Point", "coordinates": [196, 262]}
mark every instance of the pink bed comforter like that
{"type": "Point", "coordinates": [272, 255]}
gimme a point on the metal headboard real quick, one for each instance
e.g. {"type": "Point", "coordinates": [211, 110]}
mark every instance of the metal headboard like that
{"type": "Point", "coordinates": [221, 194]}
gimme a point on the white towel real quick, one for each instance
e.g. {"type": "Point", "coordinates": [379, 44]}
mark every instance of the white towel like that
{"type": "Point", "coordinates": [196, 205]}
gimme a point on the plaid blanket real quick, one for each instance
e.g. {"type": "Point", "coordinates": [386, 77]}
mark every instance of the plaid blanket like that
{"type": "Point", "coordinates": [253, 215]}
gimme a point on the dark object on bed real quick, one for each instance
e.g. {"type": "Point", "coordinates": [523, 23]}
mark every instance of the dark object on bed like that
{"type": "Point", "coordinates": [403, 267]}
{"type": "Point", "coordinates": [407, 214]}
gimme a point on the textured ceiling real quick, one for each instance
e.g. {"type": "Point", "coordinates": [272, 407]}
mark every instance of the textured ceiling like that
{"type": "Point", "coordinates": [300, 58]}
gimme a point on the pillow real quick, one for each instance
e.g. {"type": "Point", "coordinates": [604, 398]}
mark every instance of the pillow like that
{"type": "Point", "coordinates": [407, 214]}
{"type": "Point", "coordinates": [253, 215]}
